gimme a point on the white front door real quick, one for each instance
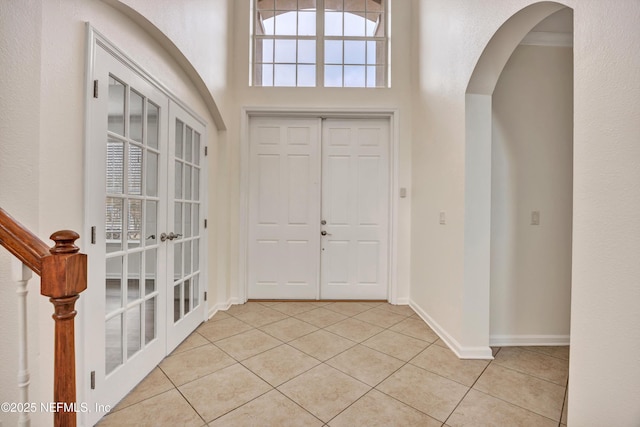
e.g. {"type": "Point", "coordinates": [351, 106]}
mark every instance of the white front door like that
{"type": "Point", "coordinates": [144, 186]}
{"type": "Point", "coordinates": [284, 208]}
{"type": "Point", "coordinates": [355, 209]}
{"type": "Point", "coordinates": [318, 209]}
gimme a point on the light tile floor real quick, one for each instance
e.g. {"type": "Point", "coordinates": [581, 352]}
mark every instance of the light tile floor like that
{"type": "Point", "coordinates": [341, 364]}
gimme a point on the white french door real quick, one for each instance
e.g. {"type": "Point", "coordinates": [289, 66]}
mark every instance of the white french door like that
{"type": "Point", "coordinates": [144, 207]}
{"type": "Point", "coordinates": [184, 266]}
{"type": "Point", "coordinates": [318, 214]}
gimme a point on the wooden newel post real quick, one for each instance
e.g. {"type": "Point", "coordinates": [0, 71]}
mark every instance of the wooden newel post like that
{"type": "Point", "coordinates": [64, 277]}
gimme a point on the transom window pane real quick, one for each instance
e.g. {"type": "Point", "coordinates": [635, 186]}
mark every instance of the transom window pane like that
{"type": "Point", "coordinates": [290, 35]}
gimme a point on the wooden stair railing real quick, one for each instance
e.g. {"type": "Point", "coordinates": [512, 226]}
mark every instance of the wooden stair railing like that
{"type": "Point", "coordinates": [63, 272]}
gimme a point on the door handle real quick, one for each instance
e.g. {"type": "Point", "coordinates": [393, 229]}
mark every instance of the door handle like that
{"type": "Point", "coordinates": [170, 236]}
{"type": "Point", "coordinates": [324, 233]}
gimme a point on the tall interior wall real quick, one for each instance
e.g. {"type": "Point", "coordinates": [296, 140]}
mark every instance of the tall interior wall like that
{"type": "Point", "coordinates": [532, 170]}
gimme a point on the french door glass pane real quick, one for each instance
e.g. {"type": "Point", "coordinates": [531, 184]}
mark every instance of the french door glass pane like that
{"type": "Point", "coordinates": [187, 220]}
{"type": "Point", "coordinates": [187, 182]}
{"type": "Point", "coordinates": [152, 174]}
{"type": "Point", "coordinates": [196, 289]}
{"type": "Point", "coordinates": [134, 226]}
{"type": "Point", "coordinates": [179, 138]}
{"type": "Point", "coordinates": [153, 124]}
{"type": "Point", "coordinates": [177, 261]}
{"type": "Point", "coordinates": [113, 284]}
{"type": "Point", "coordinates": [196, 255]}
{"type": "Point", "coordinates": [151, 223]}
{"type": "Point", "coordinates": [178, 182]}
{"type": "Point", "coordinates": [134, 171]}
{"type": "Point", "coordinates": [133, 279]}
{"type": "Point", "coordinates": [114, 224]}
{"type": "Point", "coordinates": [188, 144]}
{"type": "Point", "coordinates": [151, 266]}
{"type": "Point", "coordinates": [136, 103]}
{"type": "Point", "coordinates": [196, 148]}
{"type": "Point", "coordinates": [116, 106]}
{"type": "Point", "coordinates": [196, 219]}
{"type": "Point", "coordinates": [176, 302]}
{"type": "Point", "coordinates": [113, 343]}
{"type": "Point", "coordinates": [187, 258]}
{"type": "Point", "coordinates": [115, 166]}
{"type": "Point", "coordinates": [177, 218]}
{"type": "Point", "coordinates": [187, 296]}
{"type": "Point", "coordinates": [134, 330]}
{"type": "Point", "coordinates": [196, 184]}
{"type": "Point", "coordinates": [150, 319]}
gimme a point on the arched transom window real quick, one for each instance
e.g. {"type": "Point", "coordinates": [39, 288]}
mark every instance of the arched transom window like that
{"type": "Point", "coordinates": [330, 43]}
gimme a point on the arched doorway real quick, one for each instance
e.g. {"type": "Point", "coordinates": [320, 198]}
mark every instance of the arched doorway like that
{"type": "Point", "coordinates": [478, 169]}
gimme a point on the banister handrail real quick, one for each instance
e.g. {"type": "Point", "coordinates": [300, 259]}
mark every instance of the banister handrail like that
{"type": "Point", "coordinates": [22, 243]}
{"type": "Point", "coordinates": [63, 272]}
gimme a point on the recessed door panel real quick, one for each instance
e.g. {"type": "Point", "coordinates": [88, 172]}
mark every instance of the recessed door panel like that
{"type": "Point", "coordinates": [284, 208]}
{"type": "Point", "coordinates": [355, 195]}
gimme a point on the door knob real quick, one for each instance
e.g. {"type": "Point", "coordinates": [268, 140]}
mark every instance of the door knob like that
{"type": "Point", "coordinates": [170, 236]}
{"type": "Point", "coordinates": [324, 233]}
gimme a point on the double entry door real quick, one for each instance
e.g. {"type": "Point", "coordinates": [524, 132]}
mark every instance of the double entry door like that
{"type": "Point", "coordinates": [145, 169]}
{"type": "Point", "coordinates": [318, 208]}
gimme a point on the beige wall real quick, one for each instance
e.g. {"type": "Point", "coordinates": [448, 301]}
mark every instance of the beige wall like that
{"type": "Point", "coordinates": [20, 63]}
{"type": "Point", "coordinates": [532, 170]}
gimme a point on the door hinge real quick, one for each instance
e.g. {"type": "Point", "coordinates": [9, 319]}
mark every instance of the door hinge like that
{"type": "Point", "coordinates": [205, 223]}
{"type": "Point", "coordinates": [205, 296]}
{"type": "Point", "coordinates": [95, 88]}
{"type": "Point", "coordinates": [93, 235]}
{"type": "Point", "coordinates": [206, 150]}
{"type": "Point", "coordinates": [93, 380]}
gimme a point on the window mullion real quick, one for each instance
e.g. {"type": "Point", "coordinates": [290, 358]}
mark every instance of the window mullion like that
{"type": "Point", "coordinates": [320, 43]}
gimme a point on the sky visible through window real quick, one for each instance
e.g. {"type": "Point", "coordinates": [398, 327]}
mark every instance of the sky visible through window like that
{"type": "Point", "coordinates": [347, 62]}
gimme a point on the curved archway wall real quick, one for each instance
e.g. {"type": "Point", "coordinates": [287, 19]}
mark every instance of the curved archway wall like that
{"type": "Point", "coordinates": [478, 141]}
{"type": "Point", "coordinates": [450, 38]}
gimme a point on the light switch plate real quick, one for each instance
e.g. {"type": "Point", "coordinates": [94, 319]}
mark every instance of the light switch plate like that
{"type": "Point", "coordinates": [535, 217]}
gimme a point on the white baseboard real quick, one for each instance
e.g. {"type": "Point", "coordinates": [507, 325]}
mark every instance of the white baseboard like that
{"type": "Point", "coordinates": [221, 306]}
{"type": "Point", "coordinates": [460, 351]}
{"type": "Point", "coordinates": [528, 340]}
{"type": "Point", "coordinates": [402, 301]}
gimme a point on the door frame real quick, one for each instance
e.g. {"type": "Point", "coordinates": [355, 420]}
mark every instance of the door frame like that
{"type": "Point", "coordinates": [392, 114]}
{"type": "Point", "coordinates": [94, 41]}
